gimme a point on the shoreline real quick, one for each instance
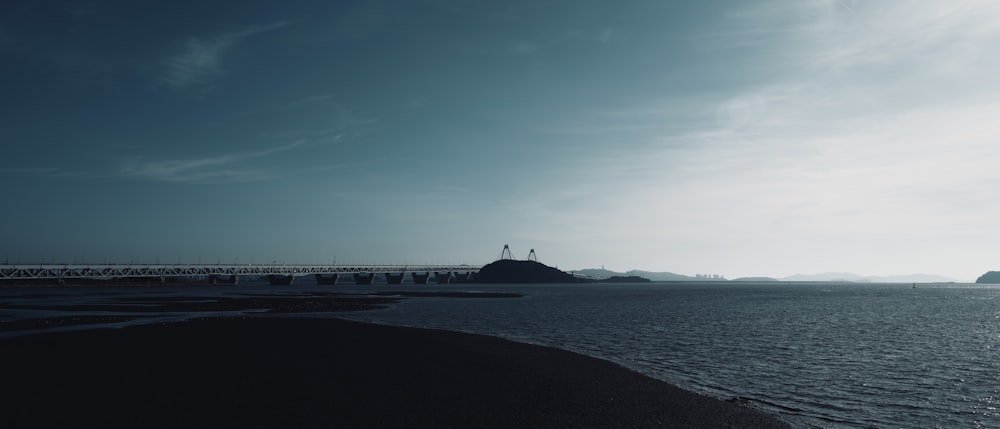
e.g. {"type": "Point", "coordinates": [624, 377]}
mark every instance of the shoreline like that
{"type": "Point", "coordinates": [313, 372]}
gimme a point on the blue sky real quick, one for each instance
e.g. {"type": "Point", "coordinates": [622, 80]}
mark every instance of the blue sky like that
{"type": "Point", "coordinates": [739, 138]}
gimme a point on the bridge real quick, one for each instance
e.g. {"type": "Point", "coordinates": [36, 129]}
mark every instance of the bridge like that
{"type": "Point", "coordinates": [277, 274]}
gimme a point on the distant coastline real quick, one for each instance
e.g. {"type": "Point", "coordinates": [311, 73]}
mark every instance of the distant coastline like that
{"type": "Point", "coordinates": [624, 279]}
{"type": "Point", "coordinates": [665, 276]}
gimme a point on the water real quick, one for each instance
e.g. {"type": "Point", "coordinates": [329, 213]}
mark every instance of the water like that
{"type": "Point", "coordinates": [820, 355]}
{"type": "Point", "coordinates": [835, 356]}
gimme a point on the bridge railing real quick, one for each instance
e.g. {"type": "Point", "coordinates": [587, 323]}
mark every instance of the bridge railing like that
{"type": "Point", "coordinates": [82, 271]}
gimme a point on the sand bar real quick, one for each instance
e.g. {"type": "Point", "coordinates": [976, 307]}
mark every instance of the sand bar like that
{"type": "Point", "coordinates": [318, 373]}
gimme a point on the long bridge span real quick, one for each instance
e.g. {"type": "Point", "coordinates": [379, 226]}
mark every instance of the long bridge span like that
{"type": "Point", "coordinates": [227, 273]}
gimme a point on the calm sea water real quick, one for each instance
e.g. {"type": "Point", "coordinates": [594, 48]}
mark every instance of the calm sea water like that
{"type": "Point", "coordinates": [820, 355]}
{"type": "Point", "coordinates": [831, 355]}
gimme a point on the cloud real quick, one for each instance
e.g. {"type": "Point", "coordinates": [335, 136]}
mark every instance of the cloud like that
{"type": "Point", "coordinates": [212, 169]}
{"type": "Point", "coordinates": [865, 144]}
{"type": "Point", "coordinates": [200, 62]}
{"type": "Point", "coordinates": [830, 36]}
{"type": "Point", "coordinates": [926, 34]}
{"type": "Point", "coordinates": [338, 121]}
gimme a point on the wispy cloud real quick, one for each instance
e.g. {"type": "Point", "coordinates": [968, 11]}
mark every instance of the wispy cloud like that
{"type": "Point", "coordinates": [201, 60]}
{"type": "Point", "coordinates": [338, 120]}
{"type": "Point", "coordinates": [226, 168]}
{"type": "Point", "coordinates": [843, 35]}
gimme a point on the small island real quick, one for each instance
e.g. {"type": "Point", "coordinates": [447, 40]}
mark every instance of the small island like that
{"type": "Point", "coordinates": [991, 277]}
{"type": "Point", "coordinates": [513, 271]}
{"type": "Point", "coordinates": [624, 279]}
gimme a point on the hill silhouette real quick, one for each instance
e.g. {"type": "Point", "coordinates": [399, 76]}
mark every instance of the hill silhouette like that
{"type": "Point", "coordinates": [991, 277]}
{"type": "Point", "coordinates": [512, 271]}
{"type": "Point", "coordinates": [600, 273]}
{"type": "Point", "coordinates": [624, 279]}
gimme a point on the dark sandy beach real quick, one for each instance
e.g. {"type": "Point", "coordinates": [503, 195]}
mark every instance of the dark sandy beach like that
{"type": "Point", "coordinates": [310, 373]}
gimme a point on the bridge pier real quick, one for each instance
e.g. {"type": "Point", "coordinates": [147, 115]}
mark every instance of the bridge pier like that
{"type": "Point", "coordinates": [442, 278]}
{"type": "Point", "coordinates": [216, 279]}
{"type": "Point", "coordinates": [364, 279]}
{"type": "Point", "coordinates": [420, 279]}
{"type": "Point", "coordinates": [327, 280]}
{"type": "Point", "coordinates": [280, 280]}
{"type": "Point", "coordinates": [394, 279]}
{"type": "Point", "coordinates": [461, 277]}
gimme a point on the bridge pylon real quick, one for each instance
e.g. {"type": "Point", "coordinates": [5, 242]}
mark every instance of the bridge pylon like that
{"type": "Point", "coordinates": [506, 252]}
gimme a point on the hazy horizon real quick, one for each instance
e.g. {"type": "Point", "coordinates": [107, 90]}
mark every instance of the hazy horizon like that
{"type": "Point", "coordinates": [736, 138]}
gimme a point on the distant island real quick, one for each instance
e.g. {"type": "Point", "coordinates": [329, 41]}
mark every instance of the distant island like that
{"type": "Point", "coordinates": [513, 271]}
{"type": "Point", "coordinates": [521, 272]}
{"type": "Point", "coordinates": [600, 273]}
{"type": "Point", "coordinates": [991, 277]}
{"type": "Point", "coordinates": [624, 279]}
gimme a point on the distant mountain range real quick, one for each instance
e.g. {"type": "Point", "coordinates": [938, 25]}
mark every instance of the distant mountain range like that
{"type": "Point", "coordinates": [823, 277]}
{"type": "Point", "coordinates": [599, 273]}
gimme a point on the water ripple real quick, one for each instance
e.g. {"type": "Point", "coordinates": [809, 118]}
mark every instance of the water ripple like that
{"type": "Point", "coordinates": [836, 356]}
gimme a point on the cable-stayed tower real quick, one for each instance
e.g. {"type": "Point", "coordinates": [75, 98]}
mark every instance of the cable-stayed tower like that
{"type": "Point", "coordinates": [505, 253]}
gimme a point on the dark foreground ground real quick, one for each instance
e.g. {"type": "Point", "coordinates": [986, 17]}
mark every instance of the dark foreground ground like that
{"type": "Point", "coordinates": [318, 373]}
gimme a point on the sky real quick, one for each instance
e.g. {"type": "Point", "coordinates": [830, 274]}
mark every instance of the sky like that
{"type": "Point", "coordinates": [763, 138]}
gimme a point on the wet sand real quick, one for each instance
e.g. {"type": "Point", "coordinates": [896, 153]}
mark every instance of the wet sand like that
{"type": "Point", "coordinates": [312, 373]}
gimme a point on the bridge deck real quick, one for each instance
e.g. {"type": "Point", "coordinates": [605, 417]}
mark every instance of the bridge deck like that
{"type": "Point", "coordinates": [107, 271]}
